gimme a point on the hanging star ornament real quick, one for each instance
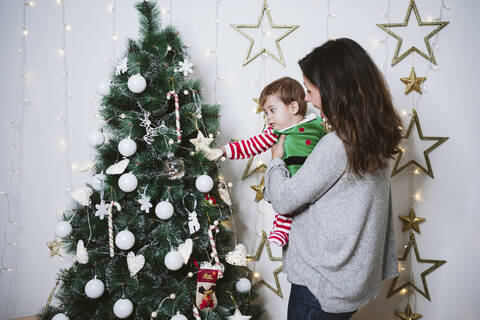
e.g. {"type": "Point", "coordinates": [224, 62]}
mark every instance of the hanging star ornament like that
{"type": "Point", "coordinates": [412, 82]}
{"type": "Point", "coordinates": [435, 265]}
{"type": "Point", "coordinates": [259, 190]}
{"type": "Point", "coordinates": [261, 282]}
{"type": "Point", "coordinates": [250, 57]}
{"type": "Point", "coordinates": [55, 247]}
{"type": "Point", "coordinates": [439, 140]}
{"type": "Point", "coordinates": [397, 57]}
{"type": "Point", "coordinates": [200, 142]}
{"type": "Point", "coordinates": [238, 316]}
{"type": "Point", "coordinates": [408, 314]}
{"type": "Point", "coordinates": [411, 221]}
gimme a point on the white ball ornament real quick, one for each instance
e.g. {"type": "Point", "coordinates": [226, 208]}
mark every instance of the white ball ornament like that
{"type": "Point", "coordinates": [96, 138]}
{"type": "Point", "coordinates": [94, 288]}
{"type": "Point", "coordinates": [137, 83]}
{"type": "Point", "coordinates": [179, 316]}
{"type": "Point", "coordinates": [243, 285]}
{"type": "Point", "coordinates": [103, 87]}
{"type": "Point", "coordinates": [125, 240]}
{"type": "Point", "coordinates": [60, 316]}
{"type": "Point", "coordinates": [204, 183]}
{"type": "Point", "coordinates": [127, 182]}
{"type": "Point", "coordinates": [164, 210]}
{"type": "Point", "coordinates": [127, 147]}
{"type": "Point", "coordinates": [173, 260]}
{"type": "Point", "coordinates": [63, 229]}
{"type": "Point", "coordinates": [123, 308]}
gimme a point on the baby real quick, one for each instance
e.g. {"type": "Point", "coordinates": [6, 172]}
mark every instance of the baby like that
{"type": "Point", "coordinates": [283, 102]}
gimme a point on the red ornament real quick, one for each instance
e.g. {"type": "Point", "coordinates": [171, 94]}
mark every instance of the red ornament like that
{"type": "Point", "coordinates": [308, 142]}
{"type": "Point", "coordinates": [210, 199]}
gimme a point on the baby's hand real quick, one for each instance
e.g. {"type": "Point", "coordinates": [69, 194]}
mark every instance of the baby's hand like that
{"type": "Point", "coordinates": [224, 153]}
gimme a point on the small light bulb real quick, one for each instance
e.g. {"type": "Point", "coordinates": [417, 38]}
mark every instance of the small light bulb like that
{"type": "Point", "coordinates": [123, 116]}
{"type": "Point", "coordinates": [172, 296]}
{"type": "Point", "coordinates": [74, 166]}
{"type": "Point", "coordinates": [190, 274]}
{"type": "Point", "coordinates": [62, 51]}
{"type": "Point", "coordinates": [154, 314]}
{"type": "Point", "coordinates": [192, 153]}
{"type": "Point", "coordinates": [230, 184]}
{"type": "Point", "coordinates": [185, 92]}
{"type": "Point", "coordinates": [114, 37]}
{"type": "Point", "coordinates": [199, 116]}
{"type": "Point", "coordinates": [416, 171]}
{"type": "Point", "coordinates": [170, 141]}
{"type": "Point", "coordinates": [110, 8]}
{"type": "Point", "coordinates": [164, 11]}
{"type": "Point", "coordinates": [222, 159]}
{"type": "Point", "coordinates": [256, 275]}
{"type": "Point", "coordinates": [210, 135]}
{"type": "Point", "coordinates": [68, 27]}
{"type": "Point", "coordinates": [403, 291]}
{"type": "Point", "coordinates": [25, 32]}
{"type": "Point", "coordinates": [31, 4]}
{"type": "Point", "coordinates": [169, 48]}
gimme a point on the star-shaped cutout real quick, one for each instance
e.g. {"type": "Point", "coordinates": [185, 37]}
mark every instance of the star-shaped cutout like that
{"type": "Point", "coordinates": [396, 57]}
{"type": "Point", "coordinates": [250, 57]}
{"type": "Point", "coordinates": [411, 221]}
{"type": "Point", "coordinates": [238, 316]}
{"type": "Point", "coordinates": [439, 140]}
{"type": "Point", "coordinates": [264, 243]}
{"type": "Point", "coordinates": [408, 314]}
{"type": "Point", "coordinates": [436, 264]}
{"type": "Point", "coordinates": [55, 247]}
{"type": "Point", "coordinates": [259, 189]}
{"type": "Point", "coordinates": [200, 142]}
{"type": "Point", "coordinates": [259, 107]}
{"type": "Point", "coordinates": [412, 82]}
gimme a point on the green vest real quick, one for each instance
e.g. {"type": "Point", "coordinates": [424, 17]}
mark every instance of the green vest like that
{"type": "Point", "coordinates": [300, 141]}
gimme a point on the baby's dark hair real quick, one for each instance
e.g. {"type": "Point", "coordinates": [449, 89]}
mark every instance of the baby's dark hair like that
{"type": "Point", "coordinates": [287, 90]}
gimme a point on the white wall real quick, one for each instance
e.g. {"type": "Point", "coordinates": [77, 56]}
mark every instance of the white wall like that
{"type": "Point", "coordinates": [447, 108]}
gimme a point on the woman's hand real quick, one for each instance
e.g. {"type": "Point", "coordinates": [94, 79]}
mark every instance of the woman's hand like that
{"type": "Point", "coordinates": [277, 149]}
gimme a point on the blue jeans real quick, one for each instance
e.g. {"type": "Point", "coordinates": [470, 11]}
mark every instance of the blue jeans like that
{"type": "Point", "coordinates": [304, 306]}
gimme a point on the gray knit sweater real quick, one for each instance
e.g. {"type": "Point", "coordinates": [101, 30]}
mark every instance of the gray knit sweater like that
{"type": "Point", "coordinates": [342, 241]}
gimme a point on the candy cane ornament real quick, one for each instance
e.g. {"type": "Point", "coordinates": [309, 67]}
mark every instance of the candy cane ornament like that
{"type": "Point", "coordinates": [214, 248]}
{"type": "Point", "coordinates": [196, 314]}
{"type": "Point", "coordinates": [177, 113]}
{"type": "Point", "coordinates": [110, 225]}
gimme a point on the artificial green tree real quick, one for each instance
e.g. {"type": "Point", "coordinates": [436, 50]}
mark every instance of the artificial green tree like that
{"type": "Point", "coordinates": [166, 167]}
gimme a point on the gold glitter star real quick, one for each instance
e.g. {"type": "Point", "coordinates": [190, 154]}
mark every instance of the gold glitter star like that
{"type": "Point", "coordinates": [429, 171]}
{"type": "Point", "coordinates": [250, 58]}
{"type": "Point", "coordinates": [259, 190]}
{"type": "Point", "coordinates": [276, 271]}
{"type": "Point", "coordinates": [430, 57]}
{"type": "Point", "coordinates": [412, 82]}
{"type": "Point", "coordinates": [408, 314]}
{"type": "Point", "coordinates": [436, 264]}
{"type": "Point", "coordinates": [55, 247]}
{"type": "Point", "coordinates": [411, 221]}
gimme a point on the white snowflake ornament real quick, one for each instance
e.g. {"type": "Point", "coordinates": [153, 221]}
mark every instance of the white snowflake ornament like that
{"type": "Point", "coordinates": [102, 210]}
{"type": "Point", "coordinates": [185, 67]}
{"type": "Point", "coordinates": [121, 67]}
{"type": "Point", "coordinates": [145, 204]}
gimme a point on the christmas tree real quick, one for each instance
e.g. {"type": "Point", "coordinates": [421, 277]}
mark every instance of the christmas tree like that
{"type": "Point", "coordinates": [151, 231]}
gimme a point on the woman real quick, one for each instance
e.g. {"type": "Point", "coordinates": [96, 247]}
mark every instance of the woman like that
{"type": "Point", "coordinates": [342, 242]}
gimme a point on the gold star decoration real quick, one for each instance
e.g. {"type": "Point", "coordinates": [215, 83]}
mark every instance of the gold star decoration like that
{"type": "Point", "coordinates": [411, 221]}
{"type": "Point", "coordinates": [276, 271]}
{"type": "Point", "coordinates": [408, 314]}
{"type": "Point", "coordinates": [396, 57]}
{"type": "Point", "coordinates": [429, 171]}
{"type": "Point", "coordinates": [259, 189]}
{"type": "Point", "coordinates": [412, 82]}
{"type": "Point", "coordinates": [258, 169]}
{"type": "Point", "coordinates": [200, 142]}
{"type": "Point", "coordinates": [436, 264]}
{"type": "Point", "coordinates": [250, 57]}
{"type": "Point", "coordinates": [259, 107]}
{"type": "Point", "coordinates": [55, 247]}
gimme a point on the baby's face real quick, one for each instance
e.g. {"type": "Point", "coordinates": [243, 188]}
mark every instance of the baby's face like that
{"type": "Point", "coordinates": [278, 114]}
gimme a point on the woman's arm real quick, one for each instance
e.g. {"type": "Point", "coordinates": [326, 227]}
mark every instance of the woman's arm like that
{"type": "Point", "coordinates": [323, 167]}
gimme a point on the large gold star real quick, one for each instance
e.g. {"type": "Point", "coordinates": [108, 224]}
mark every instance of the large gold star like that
{"type": "Point", "coordinates": [55, 247]}
{"type": "Point", "coordinates": [259, 189]}
{"type": "Point", "coordinates": [430, 57]}
{"type": "Point", "coordinates": [412, 82]}
{"type": "Point", "coordinates": [259, 282]}
{"type": "Point", "coordinates": [436, 264]}
{"type": "Point", "coordinates": [415, 121]}
{"type": "Point", "coordinates": [250, 57]}
{"type": "Point", "coordinates": [411, 221]}
{"type": "Point", "coordinates": [408, 314]}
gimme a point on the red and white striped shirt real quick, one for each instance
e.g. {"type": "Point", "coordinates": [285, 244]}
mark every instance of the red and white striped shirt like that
{"type": "Point", "coordinates": [251, 147]}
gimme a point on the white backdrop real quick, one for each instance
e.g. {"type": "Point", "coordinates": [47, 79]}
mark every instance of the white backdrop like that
{"type": "Point", "coordinates": [448, 107]}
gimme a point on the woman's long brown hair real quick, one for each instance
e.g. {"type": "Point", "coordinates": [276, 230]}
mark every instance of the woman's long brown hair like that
{"type": "Point", "coordinates": [357, 103]}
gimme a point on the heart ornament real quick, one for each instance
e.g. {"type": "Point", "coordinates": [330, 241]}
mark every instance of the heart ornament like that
{"type": "Point", "coordinates": [135, 263]}
{"type": "Point", "coordinates": [237, 257]}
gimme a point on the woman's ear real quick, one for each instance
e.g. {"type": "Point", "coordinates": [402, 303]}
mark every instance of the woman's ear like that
{"type": "Point", "coordinates": [293, 107]}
